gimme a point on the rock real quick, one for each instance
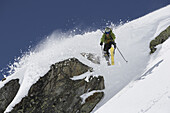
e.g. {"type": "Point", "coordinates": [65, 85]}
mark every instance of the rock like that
{"type": "Point", "coordinates": [163, 36]}
{"type": "Point", "coordinates": [92, 57]}
{"type": "Point", "coordinates": [56, 92]}
{"type": "Point", "coordinates": [95, 83]}
{"type": "Point", "coordinates": [7, 93]}
{"type": "Point", "coordinates": [91, 102]}
{"type": "Point", "coordinates": [3, 79]}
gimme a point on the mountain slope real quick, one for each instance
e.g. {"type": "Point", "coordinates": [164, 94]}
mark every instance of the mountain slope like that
{"type": "Point", "coordinates": [133, 40]}
{"type": "Point", "coordinates": [150, 93]}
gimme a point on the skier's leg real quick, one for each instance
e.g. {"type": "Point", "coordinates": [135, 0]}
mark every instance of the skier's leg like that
{"type": "Point", "coordinates": [107, 46]}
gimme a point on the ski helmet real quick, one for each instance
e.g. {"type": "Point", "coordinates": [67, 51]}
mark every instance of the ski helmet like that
{"type": "Point", "coordinates": [107, 30]}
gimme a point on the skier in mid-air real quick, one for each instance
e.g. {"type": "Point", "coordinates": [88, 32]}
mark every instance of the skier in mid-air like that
{"type": "Point", "coordinates": [108, 38]}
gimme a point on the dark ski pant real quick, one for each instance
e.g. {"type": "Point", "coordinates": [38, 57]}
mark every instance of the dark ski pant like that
{"type": "Point", "coordinates": [107, 46]}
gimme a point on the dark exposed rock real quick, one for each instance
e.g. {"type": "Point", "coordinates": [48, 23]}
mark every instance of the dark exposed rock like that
{"type": "Point", "coordinates": [96, 83]}
{"type": "Point", "coordinates": [92, 57]}
{"type": "Point", "coordinates": [3, 79]}
{"type": "Point", "coordinates": [57, 93]}
{"type": "Point", "coordinates": [162, 37]}
{"type": "Point", "coordinates": [91, 102]}
{"type": "Point", "coordinates": [7, 93]}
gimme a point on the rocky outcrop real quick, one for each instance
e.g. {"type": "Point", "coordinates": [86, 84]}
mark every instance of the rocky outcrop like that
{"type": "Point", "coordinates": [56, 92]}
{"type": "Point", "coordinates": [90, 102]}
{"type": "Point", "coordinates": [7, 93]}
{"type": "Point", "coordinates": [3, 79]}
{"type": "Point", "coordinates": [163, 36]}
{"type": "Point", "coordinates": [92, 57]}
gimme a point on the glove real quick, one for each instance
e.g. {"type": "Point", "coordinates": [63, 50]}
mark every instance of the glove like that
{"type": "Point", "coordinates": [101, 43]}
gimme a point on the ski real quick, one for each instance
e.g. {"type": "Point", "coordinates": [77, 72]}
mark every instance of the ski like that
{"type": "Point", "coordinates": [112, 55]}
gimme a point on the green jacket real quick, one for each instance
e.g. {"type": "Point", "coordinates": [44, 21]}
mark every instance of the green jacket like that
{"type": "Point", "coordinates": [106, 39]}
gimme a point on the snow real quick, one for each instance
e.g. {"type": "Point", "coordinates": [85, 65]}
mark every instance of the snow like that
{"type": "Point", "coordinates": [149, 94]}
{"type": "Point", "coordinates": [84, 76]}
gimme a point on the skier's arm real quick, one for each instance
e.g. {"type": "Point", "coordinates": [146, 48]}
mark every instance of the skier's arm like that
{"type": "Point", "coordinates": [102, 40]}
{"type": "Point", "coordinates": [113, 36]}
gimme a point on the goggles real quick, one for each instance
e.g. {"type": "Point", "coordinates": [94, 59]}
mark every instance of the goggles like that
{"type": "Point", "coordinates": [107, 32]}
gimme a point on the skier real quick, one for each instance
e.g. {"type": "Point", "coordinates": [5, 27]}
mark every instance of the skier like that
{"type": "Point", "coordinates": [108, 39]}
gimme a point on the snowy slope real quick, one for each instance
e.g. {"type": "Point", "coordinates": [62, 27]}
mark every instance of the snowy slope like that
{"type": "Point", "coordinates": [150, 93]}
{"type": "Point", "coordinates": [132, 39]}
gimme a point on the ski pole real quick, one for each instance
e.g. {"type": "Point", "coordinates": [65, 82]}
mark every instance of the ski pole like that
{"type": "Point", "coordinates": [121, 54]}
{"type": "Point", "coordinates": [102, 51]}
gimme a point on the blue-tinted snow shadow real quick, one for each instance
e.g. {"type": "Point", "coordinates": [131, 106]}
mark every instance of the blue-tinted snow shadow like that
{"type": "Point", "coordinates": [149, 71]}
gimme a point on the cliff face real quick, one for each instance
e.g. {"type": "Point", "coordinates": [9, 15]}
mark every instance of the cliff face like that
{"type": "Point", "coordinates": [56, 92]}
{"type": "Point", "coordinates": [7, 93]}
{"type": "Point", "coordinates": [162, 37]}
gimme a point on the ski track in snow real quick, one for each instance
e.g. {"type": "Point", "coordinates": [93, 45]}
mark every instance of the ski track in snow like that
{"type": "Point", "coordinates": [132, 39]}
